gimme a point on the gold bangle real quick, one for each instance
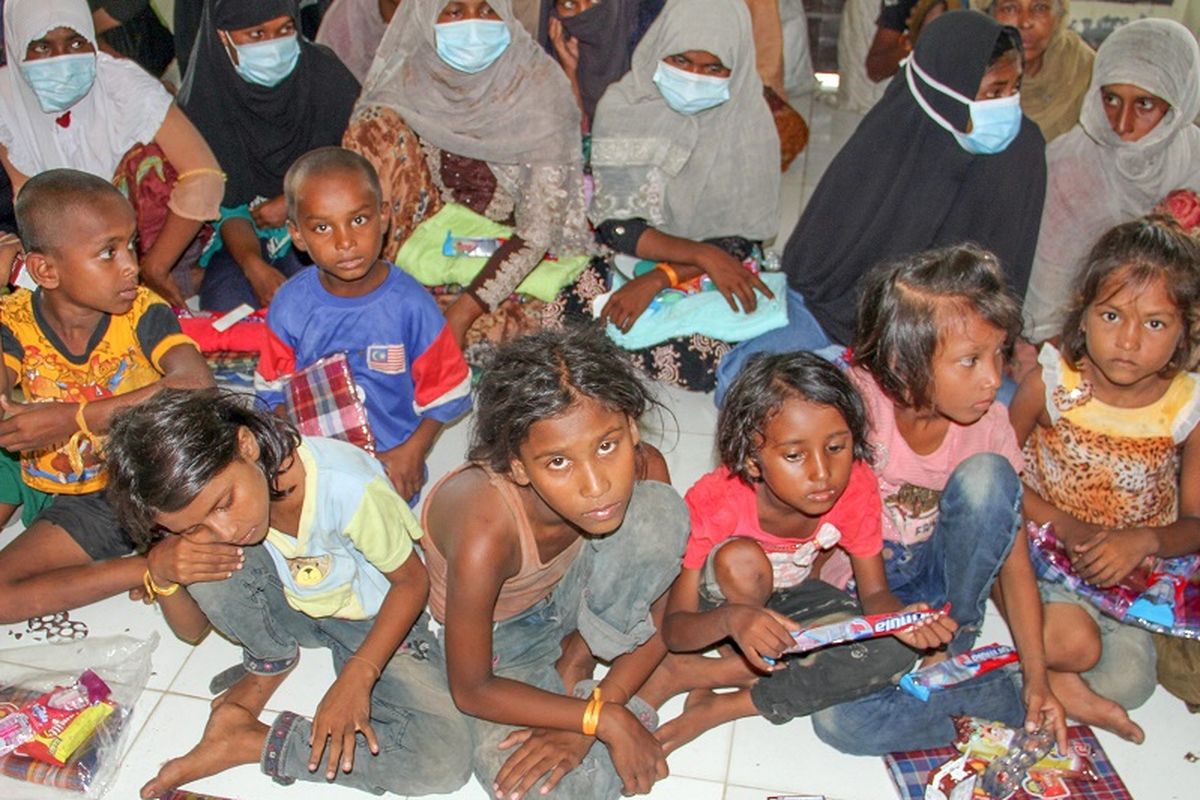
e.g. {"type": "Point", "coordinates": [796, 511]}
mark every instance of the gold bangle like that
{"type": "Point", "coordinates": [154, 591]}
{"type": "Point", "coordinates": [591, 714]}
{"type": "Point", "coordinates": [199, 171]}
{"type": "Point", "coordinates": [81, 420]}
{"type": "Point", "coordinates": [670, 272]}
{"type": "Point", "coordinates": [366, 661]}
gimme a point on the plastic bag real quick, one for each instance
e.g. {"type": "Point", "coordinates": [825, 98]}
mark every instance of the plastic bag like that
{"type": "Point", "coordinates": [123, 663]}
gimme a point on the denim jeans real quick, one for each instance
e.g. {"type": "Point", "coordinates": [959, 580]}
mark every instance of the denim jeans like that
{"type": "Point", "coordinates": [424, 743]}
{"type": "Point", "coordinates": [225, 286]}
{"type": "Point", "coordinates": [802, 332]}
{"type": "Point", "coordinates": [979, 516]}
{"type": "Point", "coordinates": [606, 595]}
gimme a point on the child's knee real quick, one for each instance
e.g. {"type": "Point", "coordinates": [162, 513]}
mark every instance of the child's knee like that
{"type": "Point", "coordinates": [1127, 670]}
{"type": "Point", "coordinates": [1072, 638]}
{"type": "Point", "coordinates": [984, 481]}
{"type": "Point", "coordinates": [743, 571]}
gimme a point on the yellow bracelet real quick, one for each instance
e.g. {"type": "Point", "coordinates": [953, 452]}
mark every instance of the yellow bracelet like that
{"type": "Point", "coordinates": [154, 591]}
{"type": "Point", "coordinates": [591, 714]}
{"type": "Point", "coordinates": [670, 272]}
{"type": "Point", "coordinates": [81, 420]}
{"type": "Point", "coordinates": [199, 171]}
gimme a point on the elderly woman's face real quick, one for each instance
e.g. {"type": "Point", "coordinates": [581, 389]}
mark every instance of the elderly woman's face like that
{"type": "Point", "coordinates": [61, 41]}
{"type": "Point", "coordinates": [1035, 19]}
{"type": "Point", "coordinates": [1131, 110]}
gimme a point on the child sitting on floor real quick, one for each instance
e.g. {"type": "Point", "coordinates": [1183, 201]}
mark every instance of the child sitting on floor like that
{"type": "Point", "coordinates": [552, 530]}
{"type": "Point", "coordinates": [88, 342]}
{"type": "Point", "coordinates": [795, 496]}
{"type": "Point", "coordinates": [1112, 456]}
{"type": "Point", "coordinates": [402, 356]}
{"type": "Point", "coordinates": [282, 542]}
{"type": "Point", "coordinates": [934, 330]}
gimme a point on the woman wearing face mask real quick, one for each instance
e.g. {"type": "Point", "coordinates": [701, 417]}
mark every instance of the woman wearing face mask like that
{"type": "Point", "coordinates": [462, 106]}
{"type": "Point", "coordinates": [353, 29]}
{"type": "Point", "coordinates": [63, 104]}
{"type": "Point", "coordinates": [262, 96]}
{"type": "Point", "coordinates": [946, 156]}
{"type": "Point", "coordinates": [1058, 63]}
{"type": "Point", "coordinates": [1134, 144]}
{"type": "Point", "coordinates": [686, 162]}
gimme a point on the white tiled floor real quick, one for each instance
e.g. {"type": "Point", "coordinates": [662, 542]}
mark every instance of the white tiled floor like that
{"type": "Point", "coordinates": [744, 761]}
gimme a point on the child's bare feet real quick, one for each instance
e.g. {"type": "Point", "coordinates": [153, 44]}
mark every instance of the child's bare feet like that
{"type": "Point", "coordinates": [251, 692]}
{"type": "Point", "coordinates": [233, 736]}
{"type": "Point", "coordinates": [576, 662]}
{"type": "Point", "coordinates": [1084, 705]}
{"type": "Point", "coordinates": [704, 710]}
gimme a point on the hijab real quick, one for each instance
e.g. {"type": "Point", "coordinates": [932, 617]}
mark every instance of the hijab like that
{"type": "Point", "coordinates": [353, 30]}
{"type": "Point", "coordinates": [605, 33]}
{"type": "Point", "coordinates": [519, 110]}
{"type": "Point", "coordinates": [257, 132]}
{"type": "Point", "coordinates": [708, 175]}
{"type": "Point", "coordinates": [902, 184]}
{"type": "Point", "coordinates": [125, 105]}
{"type": "Point", "coordinates": [1098, 181]}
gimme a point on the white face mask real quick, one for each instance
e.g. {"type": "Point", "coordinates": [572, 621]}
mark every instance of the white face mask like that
{"type": "Point", "coordinates": [994, 123]}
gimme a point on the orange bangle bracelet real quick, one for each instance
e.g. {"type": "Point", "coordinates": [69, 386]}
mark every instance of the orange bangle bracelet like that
{"type": "Point", "coordinates": [670, 272]}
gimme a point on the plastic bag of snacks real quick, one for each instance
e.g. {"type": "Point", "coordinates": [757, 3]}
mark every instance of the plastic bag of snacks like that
{"type": "Point", "coordinates": [63, 714]}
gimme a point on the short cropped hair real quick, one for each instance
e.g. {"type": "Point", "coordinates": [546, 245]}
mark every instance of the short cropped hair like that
{"type": "Point", "coordinates": [762, 387]}
{"type": "Point", "coordinates": [324, 160]}
{"type": "Point", "coordinates": [46, 201]}
{"type": "Point", "coordinates": [908, 307]}
{"type": "Point", "coordinates": [1135, 254]}
{"type": "Point", "coordinates": [539, 376]}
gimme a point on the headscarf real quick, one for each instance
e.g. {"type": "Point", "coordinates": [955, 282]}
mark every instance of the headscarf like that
{"type": "Point", "coordinates": [1054, 96]}
{"type": "Point", "coordinates": [520, 110]}
{"type": "Point", "coordinates": [257, 132]}
{"type": "Point", "coordinates": [353, 30]}
{"type": "Point", "coordinates": [605, 33]}
{"type": "Point", "coordinates": [1098, 181]}
{"type": "Point", "coordinates": [702, 176]}
{"type": "Point", "coordinates": [902, 184]}
{"type": "Point", "coordinates": [125, 105]}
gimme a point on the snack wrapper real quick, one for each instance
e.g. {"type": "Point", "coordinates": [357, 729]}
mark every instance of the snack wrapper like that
{"type": "Point", "coordinates": [923, 682]}
{"type": "Point", "coordinates": [865, 627]}
{"type": "Point", "coordinates": [1015, 751]}
{"type": "Point", "coordinates": [57, 723]}
{"type": "Point", "coordinates": [472, 246]}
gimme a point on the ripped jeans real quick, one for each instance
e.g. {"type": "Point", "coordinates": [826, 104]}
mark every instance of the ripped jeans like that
{"type": "Point", "coordinates": [606, 596]}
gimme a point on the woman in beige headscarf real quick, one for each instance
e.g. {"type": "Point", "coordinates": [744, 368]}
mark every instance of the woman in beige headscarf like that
{"type": "Point", "coordinates": [1058, 63]}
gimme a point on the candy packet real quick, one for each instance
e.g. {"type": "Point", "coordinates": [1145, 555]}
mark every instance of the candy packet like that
{"type": "Point", "coordinates": [473, 246]}
{"type": "Point", "coordinates": [865, 627]}
{"type": "Point", "coordinates": [1021, 754]}
{"type": "Point", "coordinates": [921, 683]}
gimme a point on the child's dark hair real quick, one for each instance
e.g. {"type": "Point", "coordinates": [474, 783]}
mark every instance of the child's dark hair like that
{"type": "Point", "coordinates": [1135, 254]}
{"type": "Point", "coordinates": [540, 376]}
{"type": "Point", "coordinates": [47, 196]}
{"type": "Point", "coordinates": [759, 392]}
{"type": "Point", "coordinates": [907, 307]}
{"type": "Point", "coordinates": [1008, 41]}
{"type": "Point", "coordinates": [324, 160]}
{"type": "Point", "coordinates": [163, 452]}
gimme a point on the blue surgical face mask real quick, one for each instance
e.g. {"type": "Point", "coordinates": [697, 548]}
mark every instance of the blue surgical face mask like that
{"type": "Point", "coordinates": [687, 92]}
{"type": "Point", "coordinates": [472, 45]}
{"type": "Point", "coordinates": [62, 81]}
{"type": "Point", "coordinates": [268, 63]}
{"type": "Point", "coordinates": [994, 123]}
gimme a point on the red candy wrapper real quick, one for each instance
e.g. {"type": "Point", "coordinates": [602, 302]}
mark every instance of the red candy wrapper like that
{"type": "Point", "coordinates": [63, 719]}
{"type": "Point", "coordinates": [866, 627]}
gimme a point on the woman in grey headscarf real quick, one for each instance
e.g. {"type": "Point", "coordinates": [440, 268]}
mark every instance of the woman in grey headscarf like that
{"type": "Point", "coordinates": [461, 105]}
{"type": "Point", "coordinates": [353, 29]}
{"type": "Point", "coordinates": [685, 157]}
{"type": "Point", "coordinates": [1134, 144]}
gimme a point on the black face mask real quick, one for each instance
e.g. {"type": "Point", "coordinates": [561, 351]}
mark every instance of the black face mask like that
{"type": "Point", "coordinates": [604, 32]}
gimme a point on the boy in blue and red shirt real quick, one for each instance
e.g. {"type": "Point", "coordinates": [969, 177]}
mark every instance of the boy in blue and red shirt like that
{"type": "Point", "coordinates": [404, 359]}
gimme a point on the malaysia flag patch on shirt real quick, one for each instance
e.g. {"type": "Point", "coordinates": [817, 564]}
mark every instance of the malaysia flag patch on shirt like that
{"type": "Point", "coordinates": [387, 358]}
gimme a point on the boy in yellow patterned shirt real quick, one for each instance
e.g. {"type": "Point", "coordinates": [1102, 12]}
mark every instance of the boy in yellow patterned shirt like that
{"type": "Point", "coordinates": [88, 342]}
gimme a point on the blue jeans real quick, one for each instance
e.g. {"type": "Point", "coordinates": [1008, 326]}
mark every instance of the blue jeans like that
{"type": "Point", "coordinates": [979, 516]}
{"type": "Point", "coordinates": [424, 744]}
{"type": "Point", "coordinates": [802, 332]}
{"type": "Point", "coordinates": [606, 596]}
{"type": "Point", "coordinates": [225, 286]}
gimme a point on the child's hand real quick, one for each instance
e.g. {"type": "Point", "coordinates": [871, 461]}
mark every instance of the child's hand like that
{"type": "Point", "coordinates": [566, 47]}
{"type": "Point", "coordinates": [542, 753]}
{"type": "Point", "coordinates": [1106, 558]}
{"type": "Point", "coordinates": [344, 711]}
{"type": "Point", "coordinates": [264, 279]}
{"type": "Point", "coordinates": [637, 756]}
{"type": "Point", "coordinates": [929, 634]}
{"type": "Point", "coordinates": [732, 279]}
{"type": "Point", "coordinates": [31, 426]}
{"type": "Point", "coordinates": [10, 247]}
{"type": "Point", "coordinates": [759, 633]}
{"type": "Point", "coordinates": [188, 559]}
{"type": "Point", "coordinates": [271, 214]}
{"type": "Point", "coordinates": [1044, 710]}
{"type": "Point", "coordinates": [405, 465]}
{"type": "Point", "coordinates": [629, 302]}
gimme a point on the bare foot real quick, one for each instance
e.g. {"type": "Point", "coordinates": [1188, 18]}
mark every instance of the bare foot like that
{"type": "Point", "coordinates": [1086, 706]}
{"type": "Point", "coordinates": [703, 711]}
{"type": "Point", "coordinates": [251, 692]}
{"type": "Point", "coordinates": [576, 662]}
{"type": "Point", "coordinates": [233, 736]}
{"type": "Point", "coordinates": [683, 672]}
